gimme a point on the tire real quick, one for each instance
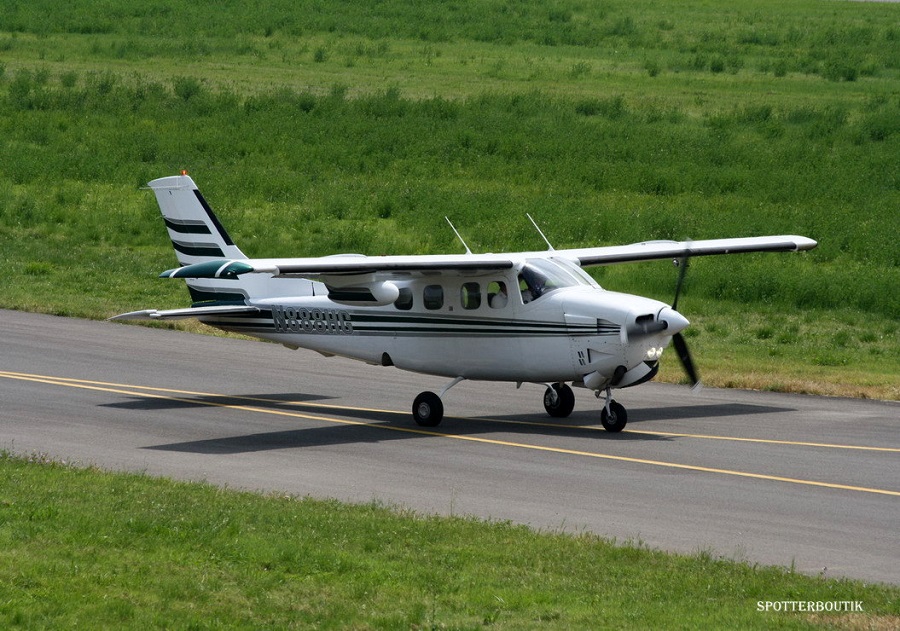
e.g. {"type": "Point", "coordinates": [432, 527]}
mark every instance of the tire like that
{"type": "Point", "coordinates": [428, 409]}
{"type": "Point", "coordinates": [616, 420]}
{"type": "Point", "coordinates": [565, 400]}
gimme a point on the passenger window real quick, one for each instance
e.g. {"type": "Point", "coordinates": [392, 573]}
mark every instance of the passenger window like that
{"type": "Point", "coordinates": [470, 295]}
{"type": "Point", "coordinates": [497, 294]}
{"type": "Point", "coordinates": [433, 297]}
{"type": "Point", "coordinates": [404, 301]}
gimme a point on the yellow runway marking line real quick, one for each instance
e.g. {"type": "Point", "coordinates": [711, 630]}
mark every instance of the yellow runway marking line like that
{"type": "Point", "coordinates": [769, 441]}
{"type": "Point", "coordinates": [118, 389]}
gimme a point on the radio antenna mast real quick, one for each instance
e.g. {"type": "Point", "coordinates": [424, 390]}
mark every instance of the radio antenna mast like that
{"type": "Point", "coordinates": [533, 223]}
{"type": "Point", "coordinates": [456, 232]}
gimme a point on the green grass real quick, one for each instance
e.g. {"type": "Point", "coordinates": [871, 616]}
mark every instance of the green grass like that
{"type": "Point", "coordinates": [84, 548]}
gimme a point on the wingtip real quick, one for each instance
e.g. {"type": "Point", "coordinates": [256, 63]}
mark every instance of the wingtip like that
{"type": "Point", "coordinates": [803, 243]}
{"type": "Point", "coordinates": [144, 314]}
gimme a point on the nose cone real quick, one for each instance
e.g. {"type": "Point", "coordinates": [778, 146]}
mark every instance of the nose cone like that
{"type": "Point", "coordinates": [675, 322]}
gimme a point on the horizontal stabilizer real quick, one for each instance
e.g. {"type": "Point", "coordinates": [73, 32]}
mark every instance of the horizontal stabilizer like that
{"type": "Point", "coordinates": [183, 314]}
{"type": "Point", "coordinates": [219, 268]}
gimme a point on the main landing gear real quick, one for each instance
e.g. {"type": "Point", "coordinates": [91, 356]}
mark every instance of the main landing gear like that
{"type": "Point", "coordinates": [559, 401]}
{"type": "Point", "coordinates": [428, 409]}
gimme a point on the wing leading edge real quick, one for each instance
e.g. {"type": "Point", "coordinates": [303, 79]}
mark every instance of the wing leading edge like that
{"type": "Point", "coordinates": [654, 250]}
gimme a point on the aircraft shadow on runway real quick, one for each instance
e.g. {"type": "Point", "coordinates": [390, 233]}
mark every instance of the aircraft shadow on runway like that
{"type": "Point", "coordinates": [190, 401]}
{"type": "Point", "coordinates": [383, 426]}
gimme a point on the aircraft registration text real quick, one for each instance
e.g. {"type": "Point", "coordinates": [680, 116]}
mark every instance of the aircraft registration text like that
{"type": "Point", "coordinates": [317, 321]}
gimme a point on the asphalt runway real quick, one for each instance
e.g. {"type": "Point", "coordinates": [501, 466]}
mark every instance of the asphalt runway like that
{"type": "Point", "coordinates": [774, 479]}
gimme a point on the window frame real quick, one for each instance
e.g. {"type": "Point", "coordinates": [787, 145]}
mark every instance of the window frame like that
{"type": "Point", "coordinates": [433, 297]}
{"type": "Point", "coordinates": [468, 295]}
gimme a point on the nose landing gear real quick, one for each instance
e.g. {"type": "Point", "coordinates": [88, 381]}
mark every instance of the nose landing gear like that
{"type": "Point", "coordinates": [613, 416]}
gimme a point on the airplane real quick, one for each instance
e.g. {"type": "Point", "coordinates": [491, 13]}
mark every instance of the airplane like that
{"type": "Point", "coordinates": [520, 317]}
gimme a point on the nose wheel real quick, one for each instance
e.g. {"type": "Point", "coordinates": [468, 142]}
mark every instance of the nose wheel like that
{"type": "Point", "coordinates": [613, 416]}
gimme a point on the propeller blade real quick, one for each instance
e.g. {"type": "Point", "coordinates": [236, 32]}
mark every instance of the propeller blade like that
{"type": "Point", "coordinates": [685, 356]}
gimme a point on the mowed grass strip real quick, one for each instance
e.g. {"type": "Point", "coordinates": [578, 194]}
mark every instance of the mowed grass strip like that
{"type": "Point", "coordinates": [84, 548]}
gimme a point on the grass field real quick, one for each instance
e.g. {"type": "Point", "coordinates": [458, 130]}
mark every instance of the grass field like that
{"type": "Point", "coordinates": [82, 548]}
{"type": "Point", "coordinates": [315, 128]}
{"type": "Point", "coordinates": [296, 173]}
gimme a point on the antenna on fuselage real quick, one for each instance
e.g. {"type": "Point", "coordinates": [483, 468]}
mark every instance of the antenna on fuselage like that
{"type": "Point", "coordinates": [534, 223]}
{"type": "Point", "coordinates": [456, 232]}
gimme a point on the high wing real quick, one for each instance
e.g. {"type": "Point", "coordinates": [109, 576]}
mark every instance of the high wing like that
{"type": "Point", "coordinates": [336, 267]}
{"type": "Point", "coordinates": [386, 266]}
{"type": "Point", "coordinates": [332, 269]}
{"type": "Point", "coordinates": [653, 250]}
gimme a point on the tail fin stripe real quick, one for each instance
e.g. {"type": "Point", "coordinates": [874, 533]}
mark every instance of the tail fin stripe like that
{"type": "Point", "coordinates": [187, 226]}
{"type": "Point", "coordinates": [198, 249]}
{"type": "Point", "coordinates": [213, 218]}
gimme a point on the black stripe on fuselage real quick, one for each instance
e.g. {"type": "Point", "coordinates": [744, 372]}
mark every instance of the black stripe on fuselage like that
{"type": "Point", "coordinates": [421, 325]}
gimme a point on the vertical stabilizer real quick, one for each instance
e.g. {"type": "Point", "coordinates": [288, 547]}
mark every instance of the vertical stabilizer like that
{"type": "Point", "coordinates": [194, 229]}
{"type": "Point", "coordinates": [199, 237]}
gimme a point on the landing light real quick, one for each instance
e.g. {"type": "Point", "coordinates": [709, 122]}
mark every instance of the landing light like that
{"type": "Point", "coordinates": [654, 352]}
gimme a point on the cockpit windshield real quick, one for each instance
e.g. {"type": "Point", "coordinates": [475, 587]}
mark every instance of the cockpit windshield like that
{"type": "Point", "coordinates": [542, 276]}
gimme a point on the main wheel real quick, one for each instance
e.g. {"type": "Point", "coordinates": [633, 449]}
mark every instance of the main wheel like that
{"type": "Point", "coordinates": [616, 419]}
{"type": "Point", "coordinates": [428, 409]}
{"type": "Point", "coordinates": [559, 400]}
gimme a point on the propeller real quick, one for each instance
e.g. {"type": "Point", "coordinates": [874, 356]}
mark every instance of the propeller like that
{"type": "Point", "coordinates": [678, 339]}
{"type": "Point", "coordinates": [685, 357]}
{"type": "Point", "coordinates": [670, 319]}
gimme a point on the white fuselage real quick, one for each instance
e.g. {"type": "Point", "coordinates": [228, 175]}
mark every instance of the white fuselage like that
{"type": "Point", "coordinates": [460, 326]}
